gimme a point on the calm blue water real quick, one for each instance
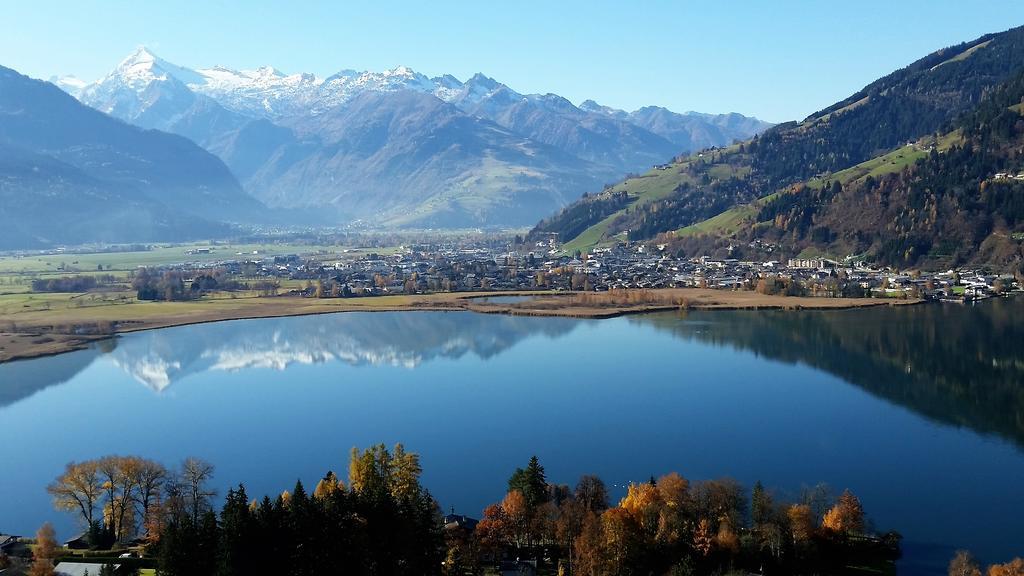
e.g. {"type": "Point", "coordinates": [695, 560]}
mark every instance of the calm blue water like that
{"type": "Point", "coordinates": [919, 411]}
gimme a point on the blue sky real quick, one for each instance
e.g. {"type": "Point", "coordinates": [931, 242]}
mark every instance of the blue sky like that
{"type": "Point", "coordinates": [776, 59]}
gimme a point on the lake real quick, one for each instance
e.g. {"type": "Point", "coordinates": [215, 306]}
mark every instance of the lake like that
{"type": "Point", "coordinates": [918, 410]}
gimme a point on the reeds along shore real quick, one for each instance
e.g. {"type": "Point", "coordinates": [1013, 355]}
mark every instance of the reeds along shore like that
{"type": "Point", "coordinates": [56, 331]}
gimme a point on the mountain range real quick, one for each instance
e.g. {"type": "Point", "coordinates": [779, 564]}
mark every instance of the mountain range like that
{"type": "Point", "coordinates": [396, 147]}
{"type": "Point", "coordinates": [916, 169]}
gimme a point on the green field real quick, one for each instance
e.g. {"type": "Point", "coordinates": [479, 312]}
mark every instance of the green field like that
{"type": "Point", "coordinates": [160, 255]}
{"type": "Point", "coordinates": [18, 272]}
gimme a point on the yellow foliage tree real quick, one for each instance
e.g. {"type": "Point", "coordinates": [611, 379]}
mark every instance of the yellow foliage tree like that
{"type": "Point", "coordinates": [588, 550]}
{"type": "Point", "coordinates": [846, 517]}
{"type": "Point", "coordinates": [620, 538]}
{"type": "Point", "coordinates": [327, 486]}
{"type": "Point", "coordinates": [726, 539]}
{"type": "Point", "coordinates": [45, 551]}
{"type": "Point", "coordinates": [801, 522]}
{"type": "Point", "coordinates": [643, 503]}
{"type": "Point", "coordinates": [1014, 567]}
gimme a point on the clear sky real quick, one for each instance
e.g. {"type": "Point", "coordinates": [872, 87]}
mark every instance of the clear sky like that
{"type": "Point", "coordinates": [776, 59]}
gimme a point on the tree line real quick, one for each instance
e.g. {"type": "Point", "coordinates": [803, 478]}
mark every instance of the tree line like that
{"type": "Point", "coordinates": [383, 521]}
{"type": "Point", "coordinates": [173, 285]}
{"type": "Point", "coordinates": [82, 283]}
{"type": "Point", "coordinates": [670, 526]}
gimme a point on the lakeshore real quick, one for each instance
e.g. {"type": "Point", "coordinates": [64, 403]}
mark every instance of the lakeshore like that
{"type": "Point", "coordinates": [38, 333]}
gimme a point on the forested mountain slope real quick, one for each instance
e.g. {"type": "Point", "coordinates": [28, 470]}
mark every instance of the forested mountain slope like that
{"type": "Point", "coordinates": [724, 192]}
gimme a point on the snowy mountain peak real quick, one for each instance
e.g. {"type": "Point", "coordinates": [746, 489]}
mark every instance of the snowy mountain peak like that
{"type": "Point", "coordinates": [143, 66]}
{"type": "Point", "coordinates": [269, 72]}
{"type": "Point", "coordinates": [140, 55]}
{"type": "Point", "coordinates": [402, 70]}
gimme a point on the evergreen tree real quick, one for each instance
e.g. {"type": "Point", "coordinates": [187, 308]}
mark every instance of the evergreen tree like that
{"type": "Point", "coordinates": [531, 482]}
{"type": "Point", "coordinates": [760, 505]}
{"type": "Point", "coordinates": [236, 552]}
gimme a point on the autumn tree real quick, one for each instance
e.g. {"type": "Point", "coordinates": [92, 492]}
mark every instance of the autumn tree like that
{"type": "Point", "coordinates": [328, 486]}
{"type": "Point", "coordinates": [150, 482]}
{"type": "Point", "coordinates": [379, 471]}
{"type": "Point", "coordinates": [1014, 567]}
{"type": "Point", "coordinates": [587, 554]}
{"type": "Point", "coordinates": [517, 518]}
{"type": "Point", "coordinates": [801, 522]}
{"type": "Point", "coordinates": [78, 489]}
{"type": "Point", "coordinates": [622, 541]}
{"type": "Point", "coordinates": [492, 531]}
{"type": "Point", "coordinates": [846, 517]}
{"type": "Point", "coordinates": [643, 503]}
{"type": "Point", "coordinates": [676, 514]}
{"type": "Point", "coordinates": [703, 538]}
{"type": "Point", "coordinates": [44, 552]}
{"type": "Point", "coordinates": [718, 498]}
{"type": "Point", "coordinates": [119, 476]}
{"type": "Point", "coordinates": [726, 539]}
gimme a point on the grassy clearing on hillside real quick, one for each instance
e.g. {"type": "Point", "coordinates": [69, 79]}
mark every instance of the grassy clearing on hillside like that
{"type": "Point", "coordinates": [728, 222]}
{"type": "Point", "coordinates": [889, 163]}
{"type": "Point", "coordinates": [725, 223]}
{"type": "Point", "coordinates": [648, 187]}
{"type": "Point", "coordinates": [964, 55]}
{"type": "Point", "coordinates": [651, 187]}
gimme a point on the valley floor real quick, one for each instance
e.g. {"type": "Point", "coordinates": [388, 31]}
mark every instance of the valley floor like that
{"type": "Point", "coordinates": [42, 332]}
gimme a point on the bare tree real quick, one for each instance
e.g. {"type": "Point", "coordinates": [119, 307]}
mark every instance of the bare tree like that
{"type": "Point", "coordinates": [150, 481]}
{"type": "Point", "coordinates": [195, 474]}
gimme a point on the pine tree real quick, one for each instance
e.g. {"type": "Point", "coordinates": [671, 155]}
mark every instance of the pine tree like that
{"type": "Point", "coordinates": [761, 505]}
{"type": "Point", "coordinates": [531, 482]}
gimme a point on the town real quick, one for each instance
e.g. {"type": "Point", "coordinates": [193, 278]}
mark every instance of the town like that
{"type": "Point", "coordinates": [499, 265]}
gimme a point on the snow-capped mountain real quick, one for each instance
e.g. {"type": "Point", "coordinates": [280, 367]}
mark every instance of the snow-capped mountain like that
{"type": "Point", "coordinates": [457, 153]}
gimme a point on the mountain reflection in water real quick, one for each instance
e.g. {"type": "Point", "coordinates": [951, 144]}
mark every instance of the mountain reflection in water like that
{"type": "Point", "coordinates": [958, 365]}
